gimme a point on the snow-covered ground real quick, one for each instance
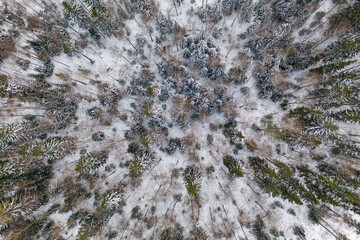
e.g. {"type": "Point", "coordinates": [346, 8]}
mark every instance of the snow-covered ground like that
{"type": "Point", "coordinates": [226, 207]}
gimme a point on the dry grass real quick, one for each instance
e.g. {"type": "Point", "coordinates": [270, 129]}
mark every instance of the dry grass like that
{"type": "Point", "coordinates": [193, 158]}
{"type": "Point", "coordinates": [181, 109]}
{"type": "Point", "coordinates": [34, 22]}
{"type": "Point", "coordinates": [265, 150]}
{"type": "Point", "coordinates": [244, 61]}
{"type": "Point", "coordinates": [7, 45]}
{"type": "Point", "coordinates": [293, 125]}
{"type": "Point", "coordinates": [279, 81]}
{"type": "Point", "coordinates": [251, 145]}
{"type": "Point", "coordinates": [230, 109]}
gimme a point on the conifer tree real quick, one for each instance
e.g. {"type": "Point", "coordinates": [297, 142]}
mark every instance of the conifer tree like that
{"type": "Point", "coordinates": [11, 133]}
{"type": "Point", "coordinates": [112, 198]}
{"type": "Point", "coordinates": [13, 208]}
{"type": "Point", "coordinates": [192, 179]}
{"type": "Point", "coordinates": [233, 165]}
{"type": "Point", "coordinates": [90, 162]}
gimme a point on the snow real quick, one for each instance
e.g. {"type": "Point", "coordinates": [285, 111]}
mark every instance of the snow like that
{"type": "Point", "coordinates": [225, 203]}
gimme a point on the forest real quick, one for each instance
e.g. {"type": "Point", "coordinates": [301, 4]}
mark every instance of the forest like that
{"type": "Point", "coordinates": [179, 119]}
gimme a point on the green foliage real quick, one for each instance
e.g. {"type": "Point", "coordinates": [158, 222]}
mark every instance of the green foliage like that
{"type": "Point", "coordinates": [329, 190]}
{"type": "Point", "coordinates": [270, 186]}
{"type": "Point", "coordinates": [11, 133]}
{"type": "Point", "coordinates": [69, 49]}
{"type": "Point", "coordinates": [234, 135]}
{"type": "Point", "coordinates": [51, 148]}
{"type": "Point", "coordinates": [346, 77]}
{"type": "Point", "coordinates": [274, 131]}
{"type": "Point", "coordinates": [142, 157]}
{"type": "Point", "coordinates": [85, 231]}
{"type": "Point", "coordinates": [135, 168]}
{"type": "Point", "coordinates": [349, 115]}
{"type": "Point", "coordinates": [343, 49]}
{"type": "Point", "coordinates": [281, 182]}
{"type": "Point", "coordinates": [13, 208]}
{"type": "Point", "coordinates": [317, 124]}
{"type": "Point", "coordinates": [239, 134]}
{"type": "Point", "coordinates": [147, 109]}
{"type": "Point", "coordinates": [90, 162]}
{"type": "Point", "coordinates": [333, 67]}
{"type": "Point", "coordinates": [3, 89]}
{"type": "Point", "coordinates": [7, 169]}
{"type": "Point", "coordinates": [4, 147]}
{"type": "Point", "coordinates": [347, 149]}
{"type": "Point", "coordinates": [150, 91]}
{"type": "Point", "coordinates": [94, 13]}
{"type": "Point", "coordinates": [310, 140]}
{"type": "Point", "coordinates": [192, 179]}
{"type": "Point", "coordinates": [95, 21]}
{"type": "Point", "coordinates": [337, 95]}
{"type": "Point", "coordinates": [136, 213]}
{"type": "Point", "coordinates": [284, 170]}
{"type": "Point", "coordinates": [306, 113]}
{"type": "Point", "coordinates": [144, 140]}
{"type": "Point", "coordinates": [233, 165]}
{"type": "Point", "coordinates": [112, 198]}
{"type": "Point", "coordinates": [260, 166]}
{"type": "Point", "coordinates": [291, 196]}
{"type": "Point", "coordinates": [343, 178]}
{"type": "Point", "coordinates": [75, 13]}
{"type": "Point", "coordinates": [350, 14]}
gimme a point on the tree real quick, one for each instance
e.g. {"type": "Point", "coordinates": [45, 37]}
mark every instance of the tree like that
{"type": "Point", "coordinates": [51, 148]}
{"type": "Point", "coordinates": [192, 179]}
{"type": "Point", "coordinates": [75, 13]}
{"type": "Point", "coordinates": [351, 115]}
{"type": "Point", "coordinates": [11, 133]}
{"type": "Point", "coordinates": [112, 198]}
{"type": "Point", "coordinates": [90, 162]}
{"type": "Point", "coordinates": [13, 208]}
{"type": "Point", "coordinates": [233, 165]}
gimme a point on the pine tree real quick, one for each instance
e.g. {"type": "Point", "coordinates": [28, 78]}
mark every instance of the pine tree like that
{"type": "Point", "coordinates": [135, 168]}
{"type": "Point", "coordinates": [75, 13]}
{"type": "Point", "coordinates": [233, 165]}
{"type": "Point", "coordinates": [112, 198]}
{"type": "Point", "coordinates": [51, 148]}
{"type": "Point", "coordinates": [11, 133]}
{"type": "Point", "coordinates": [260, 166]}
{"type": "Point", "coordinates": [100, 19]}
{"type": "Point", "coordinates": [86, 228]}
{"type": "Point", "coordinates": [192, 179]}
{"type": "Point", "coordinates": [90, 162]}
{"type": "Point", "coordinates": [336, 96]}
{"type": "Point", "coordinates": [343, 49]}
{"type": "Point", "coordinates": [351, 115]}
{"type": "Point", "coordinates": [13, 208]}
{"type": "Point", "coordinates": [7, 169]}
{"type": "Point", "coordinates": [332, 67]}
{"type": "Point", "coordinates": [329, 190]}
